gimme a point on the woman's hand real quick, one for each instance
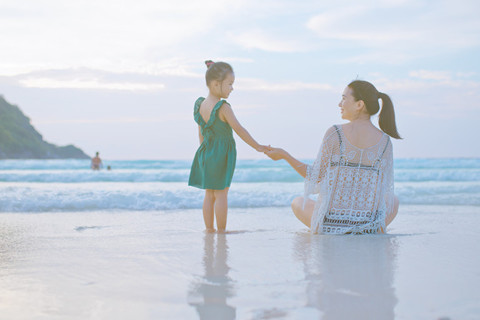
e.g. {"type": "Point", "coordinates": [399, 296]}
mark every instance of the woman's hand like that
{"type": "Point", "coordinates": [276, 153]}
{"type": "Point", "coordinates": [279, 153]}
{"type": "Point", "coordinates": [262, 148]}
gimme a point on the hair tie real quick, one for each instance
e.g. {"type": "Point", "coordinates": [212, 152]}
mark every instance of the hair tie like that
{"type": "Point", "coordinates": [209, 63]}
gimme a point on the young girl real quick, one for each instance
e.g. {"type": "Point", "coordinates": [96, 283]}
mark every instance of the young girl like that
{"type": "Point", "coordinates": [214, 162]}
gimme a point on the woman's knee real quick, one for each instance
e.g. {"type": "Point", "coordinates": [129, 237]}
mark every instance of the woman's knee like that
{"type": "Point", "coordinates": [394, 212]}
{"type": "Point", "coordinates": [297, 204]}
{"type": "Point", "coordinates": [304, 214]}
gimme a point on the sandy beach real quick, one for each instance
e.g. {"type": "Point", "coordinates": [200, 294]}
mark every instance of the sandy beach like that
{"type": "Point", "coordinates": [161, 265]}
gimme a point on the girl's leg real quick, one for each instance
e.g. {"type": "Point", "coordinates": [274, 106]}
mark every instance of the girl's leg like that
{"type": "Point", "coordinates": [208, 205]}
{"type": "Point", "coordinates": [304, 215]}
{"type": "Point", "coordinates": [221, 208]}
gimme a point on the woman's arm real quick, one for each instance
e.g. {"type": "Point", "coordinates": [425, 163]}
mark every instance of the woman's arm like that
{"type": "Point", "coordinates": [316, 171]}
{"type": "Point", "coordinates": [200, 136]}
{"type": "Point", "coordinates": [278, 153]}
{"type": "Point", "coordinates": [228, 116]}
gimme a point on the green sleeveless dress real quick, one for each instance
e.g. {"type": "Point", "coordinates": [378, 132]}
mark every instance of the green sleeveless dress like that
{"type": "Point", "coordinates": [214, 161]}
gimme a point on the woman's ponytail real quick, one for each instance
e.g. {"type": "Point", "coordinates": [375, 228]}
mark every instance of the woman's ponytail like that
{"type": "Point", "coordinates": [365, 91]}
{"type": "Point", "coordinates": [386, 118]}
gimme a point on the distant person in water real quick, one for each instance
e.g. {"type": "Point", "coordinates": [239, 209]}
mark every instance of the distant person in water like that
{"type": "Point", "coordinates": [96, 162]}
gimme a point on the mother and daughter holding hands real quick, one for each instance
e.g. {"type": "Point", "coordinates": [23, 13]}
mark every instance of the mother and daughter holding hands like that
{"type": "Point", "coordinates": [352, 174]}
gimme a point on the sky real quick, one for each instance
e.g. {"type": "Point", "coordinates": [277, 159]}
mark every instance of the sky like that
{"type": "Point", "coordinates": [121, 77]}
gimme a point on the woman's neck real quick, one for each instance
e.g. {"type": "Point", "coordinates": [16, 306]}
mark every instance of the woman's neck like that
{"type": "Point", "coordinates": [362, 120]}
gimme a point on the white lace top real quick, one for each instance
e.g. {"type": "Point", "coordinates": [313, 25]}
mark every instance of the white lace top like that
{"type": "Point", "coordinates": [354, 186]}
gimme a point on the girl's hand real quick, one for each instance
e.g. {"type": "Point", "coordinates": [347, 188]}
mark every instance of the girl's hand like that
{"type": "Point", "coordinates": [262, 148]}
{"type": "Point", "coordinates": [276, 153]}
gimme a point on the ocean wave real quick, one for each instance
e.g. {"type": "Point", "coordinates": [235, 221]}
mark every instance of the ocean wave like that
{"type": "Point", "coordinates": [34, 197]}
{"type": "Point", "coordinates": [275, 174]}
{"type": "Point", "coordinates": [419, 175]}
{"type": "Point", "coordinates": [21, 197]}
{"type": "Point", "coordinates": [73, 164]}
{"type": "Point", "coordinates": [69, 185]}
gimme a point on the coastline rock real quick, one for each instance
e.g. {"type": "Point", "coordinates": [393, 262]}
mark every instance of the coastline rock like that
{"type": "Point", "coordinates": [20, 140]}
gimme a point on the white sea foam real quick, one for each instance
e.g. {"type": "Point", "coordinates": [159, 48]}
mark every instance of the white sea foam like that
{"type": "Point", "coordinates": [68, 185]}
{"type": "Point", "coordinates": [274, 174]}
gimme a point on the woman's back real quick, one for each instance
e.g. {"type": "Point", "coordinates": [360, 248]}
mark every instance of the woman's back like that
{"type": "Point", "coordinates": [362, 134]}
{"type": "Point", "coordinates": [353, 183]}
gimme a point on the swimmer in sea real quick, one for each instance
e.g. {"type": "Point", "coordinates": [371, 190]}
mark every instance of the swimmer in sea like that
{"type": "Point", "coordinates": [96, 162]}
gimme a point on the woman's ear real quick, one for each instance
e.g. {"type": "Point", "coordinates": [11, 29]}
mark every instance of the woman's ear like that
{"type": "Point", "coordinates": [361, 106]}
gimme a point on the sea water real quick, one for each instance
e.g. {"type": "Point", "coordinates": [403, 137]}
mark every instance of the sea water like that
{"type": "Point", "coordinates": [145, 185]}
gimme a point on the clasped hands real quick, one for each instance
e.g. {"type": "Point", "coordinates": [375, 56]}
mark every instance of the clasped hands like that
{"type": "Point", "coordinates": [271, 152]}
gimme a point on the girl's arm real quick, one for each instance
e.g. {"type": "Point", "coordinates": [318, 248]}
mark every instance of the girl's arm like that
{"type": "Point", "coordinates": [278, 153]}
{"type": "Point", "coordinates": [226, 112]}
{"type": "Point", "coordinates": [200, 136]}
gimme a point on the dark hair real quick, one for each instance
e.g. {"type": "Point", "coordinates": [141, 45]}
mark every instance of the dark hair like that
{"type": "Point", "coordinates": [365, 91]}
{"type": "Point", "coordinates": [217, 71]}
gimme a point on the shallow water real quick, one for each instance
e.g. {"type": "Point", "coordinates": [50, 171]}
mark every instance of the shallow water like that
{"type": "Point", "coordinates": [151, 265]}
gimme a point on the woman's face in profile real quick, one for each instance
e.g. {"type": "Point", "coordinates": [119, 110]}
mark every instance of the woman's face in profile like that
{"type": "Point", "coordinates": [348, 105]}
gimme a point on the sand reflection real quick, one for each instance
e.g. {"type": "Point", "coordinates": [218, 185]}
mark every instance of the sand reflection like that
{"type": "Point", "coordinates": [209, 295]}
{"type": "Point", "coordinates": [12, 245]}
{"type": "Point", "coordinates": [349, 277]}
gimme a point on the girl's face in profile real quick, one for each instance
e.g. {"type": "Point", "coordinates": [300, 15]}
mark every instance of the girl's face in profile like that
{"type": "Point", "coordinates": [224, 88]}
{"type": "Point", "coordinates": [227, 85]}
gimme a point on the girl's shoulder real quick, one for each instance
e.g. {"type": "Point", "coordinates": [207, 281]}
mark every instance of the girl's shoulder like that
{"type": "Point", "coordinates": [226, 104]}
{"type": "Point", "coordinates": [222, 105]}
{"type": "Point", "coordinates": [224, 109]}
{"type": "Point", "coordinates": [198, 102]}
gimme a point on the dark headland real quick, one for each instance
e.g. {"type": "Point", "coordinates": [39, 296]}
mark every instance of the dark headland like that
{"type": "Point", "coordinates": [20, 140]}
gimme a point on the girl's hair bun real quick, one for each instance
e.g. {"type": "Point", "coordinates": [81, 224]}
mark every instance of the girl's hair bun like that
{"type": "Point", "coordinates": [209, 63]}
{"type": "Point", "coordinates": [217, 71]}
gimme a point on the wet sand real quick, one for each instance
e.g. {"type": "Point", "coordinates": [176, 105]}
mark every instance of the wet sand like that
{"type": "Point", "coordinates": [161, 265]}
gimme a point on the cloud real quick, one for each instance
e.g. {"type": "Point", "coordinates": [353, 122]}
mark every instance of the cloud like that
{"type": "Point", "coordinates": [84, 78]}
{"type": "Point", "coordinates": [431, 75]}
{"type": "Point", "coordinates": [259, 39]}
{"type": "Point", "coordinates": [446, 79]}
{"type": "Point", "coordinates": [354, 24]}
{"type": "Point", "coordinates": [247, 84]}
{"type": "Point", "coordinates": [466, 74]}
{"type": "Point", "coordinates": [101, 34]}
{"type": "Point", "coordinates": [422, 80]}
{"type": "Point", "coordinates": [393, 30]}
{"type": "Point", "coordinates": [113, 120]}
{"type": "Point", "coordinates": [88, 84]}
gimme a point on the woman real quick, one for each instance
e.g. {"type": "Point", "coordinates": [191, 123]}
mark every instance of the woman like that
{"type": "Point", "coordinates": [353, 172]}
